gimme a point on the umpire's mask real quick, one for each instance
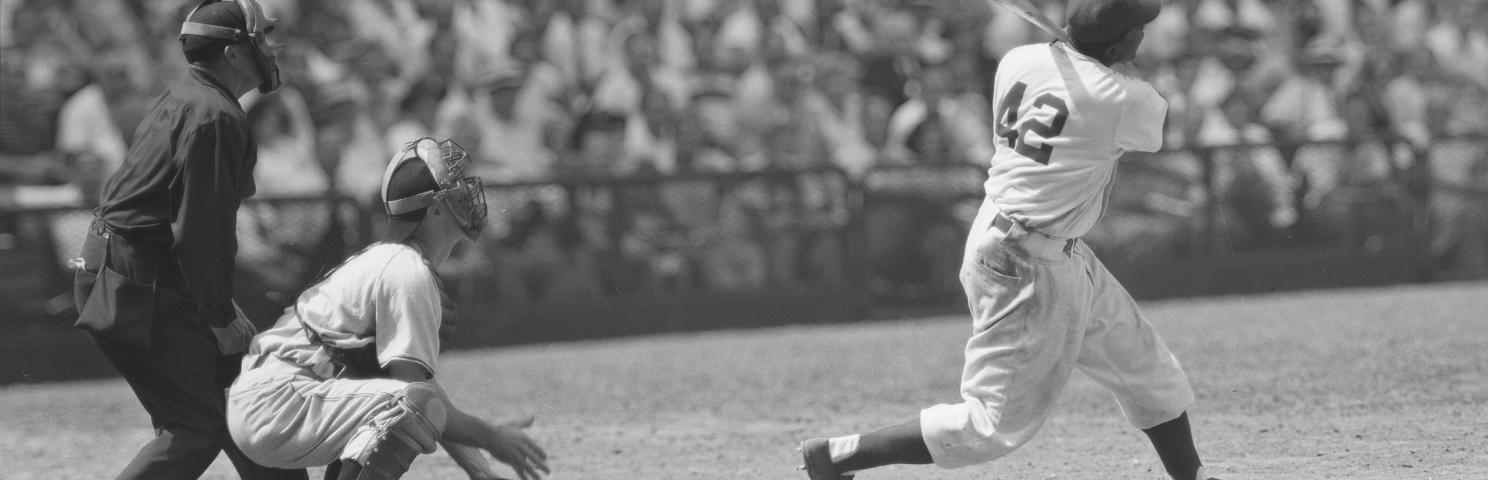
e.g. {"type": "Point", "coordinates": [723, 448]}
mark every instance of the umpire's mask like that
{"type": "Point", "coordinates": [255, 28]}
{"type": "Point", "coordinates": [429, 172]}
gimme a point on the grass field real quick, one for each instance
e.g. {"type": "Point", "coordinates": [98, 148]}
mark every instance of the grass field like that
{"type": "Point", "coordinates": [1387, 383]}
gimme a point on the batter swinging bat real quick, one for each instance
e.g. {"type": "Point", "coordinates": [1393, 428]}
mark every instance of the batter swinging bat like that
{"type": "Point", "coordinates": [1034, 15]}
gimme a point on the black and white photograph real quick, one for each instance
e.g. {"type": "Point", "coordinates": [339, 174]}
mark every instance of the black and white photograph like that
{"type": "Point", "coordinates": [744, 239]}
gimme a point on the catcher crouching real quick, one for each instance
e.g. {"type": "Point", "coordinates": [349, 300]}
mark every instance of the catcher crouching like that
{"type": "Point", "coordinates": [347, 378]}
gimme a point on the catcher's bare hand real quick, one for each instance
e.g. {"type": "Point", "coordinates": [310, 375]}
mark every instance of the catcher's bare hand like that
{"type": "Point", "coordinates": [472, 460]}
{"type": "Point", "coordinates": [510, 445]}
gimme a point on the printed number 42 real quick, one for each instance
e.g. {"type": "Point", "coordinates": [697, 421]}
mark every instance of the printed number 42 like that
{"type": "Point", "coordinates": [1016, 133]}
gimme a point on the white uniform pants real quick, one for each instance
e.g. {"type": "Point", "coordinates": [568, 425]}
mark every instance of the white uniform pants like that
{"type": "Point", "coordinates": [282, 417]}
{"type": "Point", "coordinates": [1041, 307]}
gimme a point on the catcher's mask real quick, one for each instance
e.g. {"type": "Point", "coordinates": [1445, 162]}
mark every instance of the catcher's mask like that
{"type": "Point", "coordinates": [257, 25]}
{"type": "Point", "coordinates": [445, 163]}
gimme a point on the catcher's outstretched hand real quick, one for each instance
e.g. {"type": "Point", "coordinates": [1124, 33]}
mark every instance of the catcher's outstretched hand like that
{"type": "Point", "coordinates": [510, 445]}
{"type": "Point", "coordinates": [472, 460]}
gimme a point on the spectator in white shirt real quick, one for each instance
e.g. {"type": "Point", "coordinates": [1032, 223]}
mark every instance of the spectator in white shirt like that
{"type": "Point", "coordinates": [934, 125]}
{"type": "Point", "coordinates": [86, 131]}
{"type": "Point", "coordinates": [837, 106]}
{"type": "Point", "coordinates": [512, 146]}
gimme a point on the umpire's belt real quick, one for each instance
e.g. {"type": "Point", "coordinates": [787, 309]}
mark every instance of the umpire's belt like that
{"type": "Point", "coordinates": [1033, 241]}
{"type": "Point", "coordinates": [120, 287]}
{"type": "Point", "coordinates": [138, 255]}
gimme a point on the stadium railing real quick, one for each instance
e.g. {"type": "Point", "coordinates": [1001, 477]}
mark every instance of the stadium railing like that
{"type": "Point", "coordinates": [1258, 218]}
{"type": "Point", "coordinates": [602, 257]}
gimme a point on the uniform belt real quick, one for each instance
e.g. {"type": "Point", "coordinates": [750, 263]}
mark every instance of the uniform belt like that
{"type": "Point", "coordinates": [1030, 238]}
{"type": "Point", "coordinates": [153, 264]}
{"type": "Point", "coordinates": [1003, 222]}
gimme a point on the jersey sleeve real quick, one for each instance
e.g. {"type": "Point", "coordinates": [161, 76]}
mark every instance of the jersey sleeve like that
{"type": "Point", "coordinates": [408, 313]}
{"type": "Point", "coordinates": [1142, 115]}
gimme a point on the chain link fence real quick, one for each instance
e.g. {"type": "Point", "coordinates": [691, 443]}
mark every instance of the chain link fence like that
{"type": "Point", "coordinates": [1459, 208]}
{"type": "Point", "coordinates": [282, 245]}
{"type": "Point", "coordinates": [583, 258]}
{"type": "Point", "coordinates": [555, 242]}
{"type": "Point", "coordinates": [1220, 202]}
{"type": "Point", "coordinates": [892, 237]}
{"type": "Point", "coordinates": [914, 223]}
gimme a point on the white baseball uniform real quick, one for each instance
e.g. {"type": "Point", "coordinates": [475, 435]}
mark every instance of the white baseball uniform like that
{"type": "Point", "coordinates": [1041, 303]}
{"type": "Point", "coordinates": [288, 409]}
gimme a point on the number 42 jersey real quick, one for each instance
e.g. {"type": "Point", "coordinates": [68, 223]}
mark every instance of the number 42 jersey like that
{"type": "Point", "coordinates": [1063, 119]}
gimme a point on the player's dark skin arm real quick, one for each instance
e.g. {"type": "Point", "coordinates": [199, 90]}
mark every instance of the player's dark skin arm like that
{"type": "Point", "coordinates": [466, 435]}
{"type": "Point", "coordinates": [898, 444]}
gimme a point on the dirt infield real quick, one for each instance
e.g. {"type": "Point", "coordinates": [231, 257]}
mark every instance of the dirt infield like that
{"type": "Point", "coordinates": [1387, 383]}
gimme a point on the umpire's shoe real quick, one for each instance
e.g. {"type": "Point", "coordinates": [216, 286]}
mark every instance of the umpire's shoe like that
{"type": "Point", "coordinates": [818, 461]}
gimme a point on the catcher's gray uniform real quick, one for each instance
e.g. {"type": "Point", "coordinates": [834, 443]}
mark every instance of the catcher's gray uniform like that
{"type": "Point", "coordinates": [290, 409]}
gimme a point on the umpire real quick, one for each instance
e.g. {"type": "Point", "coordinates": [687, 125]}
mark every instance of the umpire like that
{"type": "Point", "coordinates": [155, 285]}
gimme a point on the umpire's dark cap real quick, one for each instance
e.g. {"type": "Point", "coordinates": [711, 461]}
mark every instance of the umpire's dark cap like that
{"type": "Point", "coordinates": [221, 14]}
{"type": "Point", "coordinates": [1105, 21]}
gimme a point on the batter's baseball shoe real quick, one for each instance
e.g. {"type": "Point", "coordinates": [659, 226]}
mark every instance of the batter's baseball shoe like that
{"type": "Point", "coordinates": [1202, 475]}
{"type": "Point", "coordinates": [818, 461]}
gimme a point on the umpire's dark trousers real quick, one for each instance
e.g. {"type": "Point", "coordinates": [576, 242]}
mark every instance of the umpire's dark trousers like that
{"type": "Point", "coordinates": [180, 378]}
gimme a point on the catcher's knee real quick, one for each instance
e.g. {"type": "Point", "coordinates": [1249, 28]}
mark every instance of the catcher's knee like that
{"type": "Point", "coordinates": [386, 446]}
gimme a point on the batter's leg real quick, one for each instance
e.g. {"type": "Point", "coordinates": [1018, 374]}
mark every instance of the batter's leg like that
{"type": "Point", "coordinates": [1175, 446]}
{"type": "Point", "coordinates": [1124, 353]}
{"type": "Point", "coordinates": [893, 445]}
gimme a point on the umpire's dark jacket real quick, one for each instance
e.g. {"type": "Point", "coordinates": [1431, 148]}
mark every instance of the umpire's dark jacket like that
{"type": "Point", "coordinates": [167, 218]}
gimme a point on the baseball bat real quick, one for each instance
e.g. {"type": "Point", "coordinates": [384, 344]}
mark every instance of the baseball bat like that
{"type": "Point", "coordinates": [1034, 15]}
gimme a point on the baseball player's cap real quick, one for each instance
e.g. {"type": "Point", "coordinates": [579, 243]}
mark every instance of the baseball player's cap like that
{"type": "Point", "coordinates": [429, 172]}
{"type": "Point", "coordinates": [409, 179]}
{"type": "Point", "coordinates": [1104, 21]}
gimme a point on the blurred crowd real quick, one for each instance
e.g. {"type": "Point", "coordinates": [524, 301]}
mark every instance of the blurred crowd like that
{"type": "Point", "coordinates": [548, 88]}
{"type": "Point", "coordinates": [552, 89]}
